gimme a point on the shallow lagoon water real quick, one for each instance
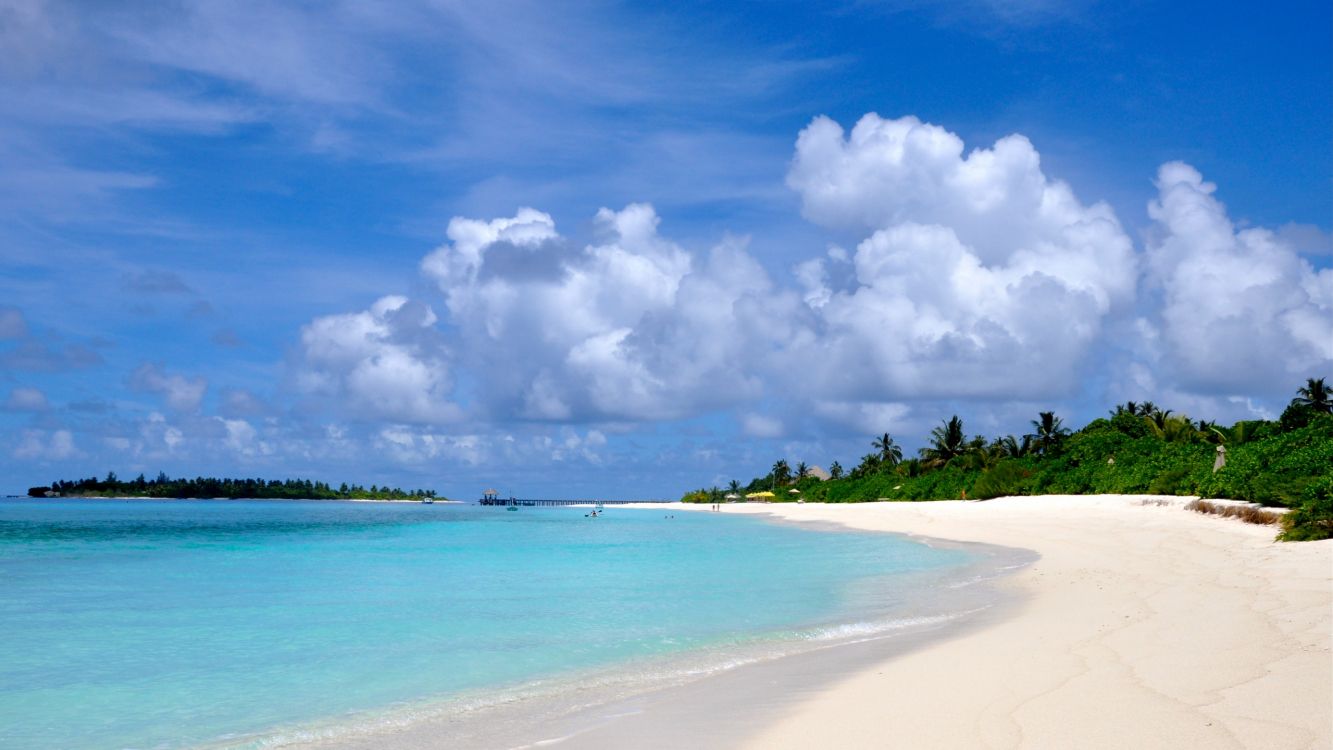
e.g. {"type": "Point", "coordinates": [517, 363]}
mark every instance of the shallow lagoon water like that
{"type": "Point", "coordinates": [165, 624]}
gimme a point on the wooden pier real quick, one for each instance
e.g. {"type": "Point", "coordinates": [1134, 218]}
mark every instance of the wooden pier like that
{"type": "Point", "coordinates": [491, 497]}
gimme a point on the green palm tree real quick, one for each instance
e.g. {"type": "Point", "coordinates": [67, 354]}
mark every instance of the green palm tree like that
{"type": "Point", "coordinates": [981, 456]}
{"type": "Point", "coordinates": [781, 473]}
{"type": "Point", "coordinates": [802, 471]}
{"type": "Point", "coordinates": [1048, 432]}
{"type": "Point", "coordinates": [1315, 395]}
{"type": "Point", "coordinates": [835, 470]}
{"type": "Point", "coordinates": [947, 442]}
{"type": "Point", "coordinates": [870, 464]}
{"type": "Point", "coordinates": [1238, 434]}
{"type": "Point", "coordinates": [1155, 416]}
{"type": "Point", "coordinates": [1129, 407]}
{"type": "Point", "coordinates": [889, 452]}
{"type": "Point", "coordinates": [734, 487]}
{"type": "Point", "coordinates": [910, 467]}
{"type": "Point", "coordinates": [1012, 447]}
{"type": "Point", "coordinates": [1179, 429]}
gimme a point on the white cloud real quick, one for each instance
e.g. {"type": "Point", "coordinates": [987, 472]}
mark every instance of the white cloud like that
{"type": "Point", "coordinates": [410, 445]}
{"type": "Point", "coordinates": [41, 445]}
{"type": "Point", "coordinates": [631, 326]}
{"type": "Point", "coordinates": [1306, 239]}
{"type": "Point", "coordinates": [156, 434]}
{"type": "Point", "coordinates": [974, 276]}
{"type": "Point", "coordinates": [981, 276]}
{"type": "Point", "coordinates": [386, 362]}
{"type": "Point", "coordinates": [813, 278]}
{"type": "Point", "coordinates": [1240, 310]}
{"type": "Point", "coordinates": [866, 417]}
{"type": "Point", "coordinates": [243, 438]}
{"type": "Point", "coordinates": [26, 399]}
{"type": "Point", "coordinates": [181, 393]}
{"type": "Point", "coordinates": [762, 426]}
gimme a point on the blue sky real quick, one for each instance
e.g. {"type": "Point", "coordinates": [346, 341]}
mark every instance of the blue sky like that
{"type": "Point", "coordinates": [261, 239]}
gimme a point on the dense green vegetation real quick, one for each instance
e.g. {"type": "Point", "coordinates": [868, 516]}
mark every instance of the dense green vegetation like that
{"type": "Point", "coordinates": [1137, 448]}
{"type": "Point", "coordinates": [210, 487]}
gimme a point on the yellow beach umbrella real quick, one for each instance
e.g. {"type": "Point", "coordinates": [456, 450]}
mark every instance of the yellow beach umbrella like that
{"type": "Point", "coordinates": [760, 495]}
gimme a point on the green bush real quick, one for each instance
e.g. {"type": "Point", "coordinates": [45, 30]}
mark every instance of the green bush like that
{"type": "Point", "coordinates": [1296, 416]}
{"type": "Point", "coordinates": [698, 496]}
{"type": "Point", "coordinates": [1127, 424]}
{"type": "Point", "coordinates": [1287, 462]}
{"type": "Point", "coordinates": [1005, 478]}
{"type": "Point", "coordinates": [1275, 469]}
{"type": "Point", "coordinates": [1313, 518]}
{"type": "Point", "coordinates": [1170, 482]}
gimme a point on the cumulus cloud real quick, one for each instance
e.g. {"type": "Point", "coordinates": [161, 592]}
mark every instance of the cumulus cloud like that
{"type": "Point", "coordinates": [158, 437]}
{"type": "Point", "coordinates": [386, 362]}
{"type": "Point", "coordinates": [1240, 309]}
{"type": "Point", "coordinates": [973, 276]}
{"type": "Point", "coordinates": [181, 393]}
{"type": "Point", "coordinates": [1306, 239]}
{"type": "Point", "coordinates": [406, 445]}
{"type": "Point", "coordinates": [243, 439]}
{"type": "Point", "coordinates": [631, 326]}
{"type": "Point", "coordinates": [415, 445]}
{"type": "Point", "coordinates": [980, 277]}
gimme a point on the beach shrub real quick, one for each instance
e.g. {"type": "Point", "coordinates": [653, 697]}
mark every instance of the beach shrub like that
{"type": "Point", "coordinates": [1296, 416]}
{"type": "Point", "coordinates": [1005, 478]}
{"type": "Point", "coordinates": [696, 496]}
{"type": "Point", "coordinates": [1312, 518]}
{"type": "Point", "coordinates": [1170, 482]}
{"type": "Point", "coordinates": [1128, 424]}
{"type": "Point", "coordinates": [1275, 466]}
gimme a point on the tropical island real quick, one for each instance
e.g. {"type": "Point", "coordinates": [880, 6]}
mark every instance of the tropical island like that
{"type": "Point", "coordinates": [1138, 448]}
{"type": "Point", "coordinates": [212, 487]}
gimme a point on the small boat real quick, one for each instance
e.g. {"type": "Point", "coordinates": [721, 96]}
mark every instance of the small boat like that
{"type": "Point", "coordinates": [512, 507]}
{"type": "Point", "coordinates": [427, 500]}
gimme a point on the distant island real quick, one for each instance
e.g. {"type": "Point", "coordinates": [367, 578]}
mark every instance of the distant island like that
{"type": "Point", "coordinates": [1138, 448]}
{"type": "Point", "coordinates": [212, 487]}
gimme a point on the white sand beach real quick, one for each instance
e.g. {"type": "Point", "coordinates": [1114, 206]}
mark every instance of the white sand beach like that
{"type": "Point", "coordinates": [1141, 626]}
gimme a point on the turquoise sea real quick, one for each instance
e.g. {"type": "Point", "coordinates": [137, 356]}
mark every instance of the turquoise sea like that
{"type": "Point", "coordinates": [166, 624]}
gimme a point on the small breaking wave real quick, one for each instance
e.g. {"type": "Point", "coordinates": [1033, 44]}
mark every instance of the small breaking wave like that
{"type": "Point", "coordinates": [563, 696]}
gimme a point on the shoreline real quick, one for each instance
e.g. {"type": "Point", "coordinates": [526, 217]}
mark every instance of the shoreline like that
{"type": "Point", "coordinates": [1141, 624]}
{"type": "Point", "coordinates": [580, 708]}
{"type": "Point", "coordinates": [1099, 622]}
